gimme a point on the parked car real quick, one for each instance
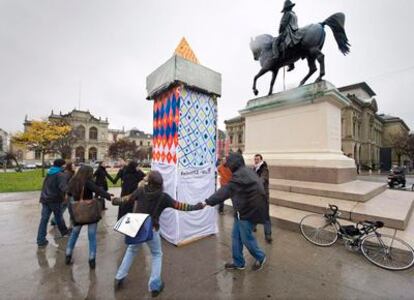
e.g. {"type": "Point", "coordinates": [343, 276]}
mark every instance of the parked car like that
{"type": "Point", "coordinates": [396, 177]}
{"type": "Point", "coordinates": [29, 166]}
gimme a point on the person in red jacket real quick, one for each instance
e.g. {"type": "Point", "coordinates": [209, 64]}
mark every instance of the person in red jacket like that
{"type": "Point", "coordinates": [225, 175]}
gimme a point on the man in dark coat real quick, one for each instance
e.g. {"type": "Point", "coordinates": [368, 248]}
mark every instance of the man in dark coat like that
{"type": "Point", "coordinates": [289, 36]}
{"type": "Point", "coordinates": [261, 169]}
{"type": "Point", "coordinates": [51, 198]}
{"type": "Point", "coordinates": [249, 203]}
{"type": "Point", "coordinates": [100, 177]}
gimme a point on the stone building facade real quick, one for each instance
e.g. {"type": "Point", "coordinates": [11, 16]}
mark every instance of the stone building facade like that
{"type": "Point", "coordinates": [367, 136]}
{"type": "Point", "coordinates": [4, 144]}
{"type": "Point", "coordinates": [91, 143]}
{"type": "Point", "coordinates": [235, 134]}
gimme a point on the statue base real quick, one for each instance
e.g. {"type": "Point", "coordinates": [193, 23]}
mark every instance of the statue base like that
{"type": "Point", "coordinates": [299, 134]}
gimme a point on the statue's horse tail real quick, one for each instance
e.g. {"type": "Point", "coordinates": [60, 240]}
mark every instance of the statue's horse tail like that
{"type": "Point", "coordinates": [337, 24]}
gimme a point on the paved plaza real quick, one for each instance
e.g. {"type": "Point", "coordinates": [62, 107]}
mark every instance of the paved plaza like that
{"type": "Point", "coordinates": [295, 269]}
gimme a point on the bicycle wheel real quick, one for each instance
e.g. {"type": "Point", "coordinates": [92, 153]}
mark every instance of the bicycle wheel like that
{"type": "Point", "coordinates": [387, 252]}
{"type": "Point", "coordinates": [318, 230]}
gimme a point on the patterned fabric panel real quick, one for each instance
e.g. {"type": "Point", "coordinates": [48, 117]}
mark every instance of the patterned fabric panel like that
{"type": "Point", "coordinates": [196, 129]}
{"type": "Point", "coordinates": [166, 119]}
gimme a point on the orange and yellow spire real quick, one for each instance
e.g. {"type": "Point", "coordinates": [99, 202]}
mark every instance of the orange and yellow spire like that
{"type": "Point", "coordinates": [184, 50]}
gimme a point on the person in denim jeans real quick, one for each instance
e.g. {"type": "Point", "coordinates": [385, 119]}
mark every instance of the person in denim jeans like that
{"type": "Point", "coordinates": [82, 186]}
{"type": "Point", "coordinates": [150, 199]}
{"type": "Point", "coordinates": [67, 175]}
{"type": "Point", "coordinates": [51, 198]}
{"type": "Point", "coordinates": [249, 203]}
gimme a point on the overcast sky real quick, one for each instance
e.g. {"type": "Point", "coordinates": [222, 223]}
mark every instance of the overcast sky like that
{"type": "Point", "coordinates": [48, 47]}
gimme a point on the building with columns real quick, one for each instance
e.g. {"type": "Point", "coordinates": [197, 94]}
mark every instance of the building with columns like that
{"type": "Point", "coordinates": [91, 138]}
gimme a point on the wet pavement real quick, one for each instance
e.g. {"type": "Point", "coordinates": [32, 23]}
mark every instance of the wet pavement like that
{"type": "Point", "coordinates": [295, 269]}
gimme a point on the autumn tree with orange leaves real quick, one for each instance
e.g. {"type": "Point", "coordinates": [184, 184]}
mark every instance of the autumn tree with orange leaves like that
{"type": "Point", "coordinates": [43, 136]}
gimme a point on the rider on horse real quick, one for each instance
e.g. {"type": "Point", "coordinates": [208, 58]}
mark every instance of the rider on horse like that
{"type": "Point", "coordinates": [288, 32]}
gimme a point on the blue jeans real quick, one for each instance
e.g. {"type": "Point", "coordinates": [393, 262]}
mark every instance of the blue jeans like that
{"type": "Point", "coordinates": [63, 208]}
{"type": "Point", "coordinates": [243, 235]}
{"type": "Point", "coordinates": [91, 237]}
{"type": "Point", "coordinates": [47, 209]}
{"type": "Point", "coordinates": [155, 281]}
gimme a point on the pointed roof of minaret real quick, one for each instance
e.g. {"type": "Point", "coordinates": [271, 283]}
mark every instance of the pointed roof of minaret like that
{"type": "Point", "coordinates": [184, 50]}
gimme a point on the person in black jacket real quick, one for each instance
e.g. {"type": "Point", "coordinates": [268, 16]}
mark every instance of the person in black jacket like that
{"type": "Point", "coordinates": [51, 198]}
{"type": "Point", "coordinates": [67, 175]}
{"type": "Point", "coordinates": [81, 186]}
{"type": "Point", "coordinates": [261, 169]}
{"type": "Point", "coordinates": [130, 178]}
{"type": "Point", "coordinates": [249, 203]}
{"type": "Point", "coordinates": [150, 199]}
{"type": "Point", "coordinates": [100, 177]}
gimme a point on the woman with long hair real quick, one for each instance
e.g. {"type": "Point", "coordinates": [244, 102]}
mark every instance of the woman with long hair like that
{"type": "Point", "coordinates": [150, 199]}
{"type": "Point", "coordinates": [131, 176]}
{"type": "Point", "coordinates": [81, 186]}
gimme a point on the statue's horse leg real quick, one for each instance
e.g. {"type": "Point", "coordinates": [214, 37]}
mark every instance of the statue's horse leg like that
{"type": "Point", "coordinates": [272, 82]}
{"type": "Point", "coordinates": [258, 75]}
{"type": "Point", "coordinates": [312, 69]}
{"type": "Point", "coordinates": [321, 60]}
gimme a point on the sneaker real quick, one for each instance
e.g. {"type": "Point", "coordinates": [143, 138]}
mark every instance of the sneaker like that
{"type": "Point", "coordinates": [156, 293]}
{"type": "Point", "coordinates": [92, 263]}
{"type": "Point", "coordinates": [259, 265]}
{"type": "Point", "coordinates": [118, 283]}
{"type": "Point", "coordinates": [232, 266]}
{"type": "Point", "coordinates": [43, 245]}
{"type": "Point", "coordinates": [268, 239]}
{"type": "Point", "coordinates": [68, 259]}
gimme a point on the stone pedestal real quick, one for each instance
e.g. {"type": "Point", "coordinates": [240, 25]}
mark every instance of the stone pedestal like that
{"type": "Point", "coordinates": [299, 134]}
{"type": "Point", "coordinates": [184, 141]}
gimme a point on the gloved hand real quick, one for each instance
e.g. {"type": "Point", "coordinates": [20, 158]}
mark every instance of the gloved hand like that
{"type": "Point", "coordinates": [199, 206]}
{"type": "Point", "coordinates": [116, 201]}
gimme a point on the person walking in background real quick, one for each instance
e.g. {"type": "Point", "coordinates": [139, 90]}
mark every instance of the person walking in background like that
{"type": "Point", "coordinates": [261, 169]}
{"type": "Point", "coordinates": [67, 174]}
{"type": "Point", "coordinates": [249, 203]}
{"type": "Point", "coordinates": [82, 186]}
{"type": "Point", "coordinates": [100, 177]}
{"type": "Point", "coordinates": [118, 176]}
{"type": "Point", "coordinates": [130, 177]}
{"type": "Point", "coordinates": [150, 199]}
{"type": "Point", "coordinates": [51, 198]}
{"type": "Point", "coordinates": [225, 176]}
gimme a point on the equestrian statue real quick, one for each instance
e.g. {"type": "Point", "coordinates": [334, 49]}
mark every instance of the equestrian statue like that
{"type": "Point", "coordinates": [294, 43]}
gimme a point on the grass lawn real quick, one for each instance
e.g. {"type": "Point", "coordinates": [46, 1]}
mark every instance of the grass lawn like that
{"type": "Point", "coordinates": [30, 180]}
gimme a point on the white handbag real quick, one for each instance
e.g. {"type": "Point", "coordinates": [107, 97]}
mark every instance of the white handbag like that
{"type": "Point", "coordinates": [130, 224]}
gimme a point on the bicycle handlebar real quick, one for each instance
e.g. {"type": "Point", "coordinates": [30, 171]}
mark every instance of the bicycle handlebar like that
{"type": "Point", "coordinates": [334, 208]}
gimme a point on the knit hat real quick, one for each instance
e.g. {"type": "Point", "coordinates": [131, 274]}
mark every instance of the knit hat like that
{"type": "Point", "coordinates": [59, 162]}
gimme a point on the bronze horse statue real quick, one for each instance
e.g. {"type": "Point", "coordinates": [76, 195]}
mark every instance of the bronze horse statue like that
{"type": "Point", "coordinates": [313, 38]}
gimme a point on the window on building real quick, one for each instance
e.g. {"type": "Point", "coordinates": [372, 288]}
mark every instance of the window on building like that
{"type": "Point", "coordinates": [80, 154]}
{"type": "Point", "coordinates": [240, 139]}
{"type": "Point", "coordinates": [19, 155]}
{"type": "Point", "coordinates": [93, 133]}
{"type": "Point", "coordinates": [38, 154]}
{"type": "Point", "coordinates": [1, 143]}
{"type": "Point", "coordinates": [231, 139]}
{"type": "Point", "coordinates": [93, 154]}
{"type": "Point", "coordinates": [149, 144]}
{"type": "Point", "coordinates": [141, 143]}
{"type": "Point", "coordinates": [80, 132]}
